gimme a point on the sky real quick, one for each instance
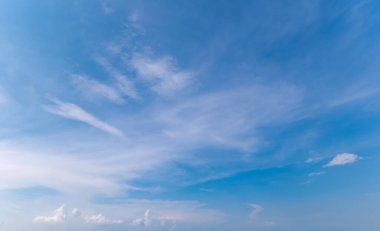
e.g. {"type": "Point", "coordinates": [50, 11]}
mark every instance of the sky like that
{"type": "Point", "coordinates": [128, 115]}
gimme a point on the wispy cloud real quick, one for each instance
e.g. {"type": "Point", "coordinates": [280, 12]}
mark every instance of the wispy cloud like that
{"type": "Point", "coordinates": [161, 73]}
{"type": "Point", "coordinates": [343, 159]}
{"type": "Point", "coordinates": [122, 82]}
{"type": "Point", "coordinates": [255, 216]}
{"type": "Point", "coordinates": [313, 160]}
{"type": "Point", "coordinates": [256, 210]}
{"type": "Point", "coordinates": [95, 90]}
{"type": "Point", "coordinates": [106, 6]}
{"type": "Point", "coordinates": [74, 112]}
{"type": "Point", "coordinates": [314, 174]}
{"type": "Point", "coordinates": [226, 117]}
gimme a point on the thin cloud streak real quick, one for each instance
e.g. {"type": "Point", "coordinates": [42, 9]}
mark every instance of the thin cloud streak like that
{"type": "Point", "coordinates": [96, 90]}
{"type": "Point", "coordinates": [122, 82]}
{"type": "Point", "coordinates": [74, 112]}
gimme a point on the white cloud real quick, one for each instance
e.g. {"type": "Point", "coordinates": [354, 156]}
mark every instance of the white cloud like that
{"type": "Point", "coordinates": [228, 118]}
{"type": "Point", "coordinates": [312, 160]}
{"type": "Point", "coordinates": [343, 159]}
{"type": "Point", "coordinates": [313, 174]}
{"type": "Point", "coordinates": [62, 215]}
{"type": "Point", "coordinates": [74, 112]}
{"type": "Point", "coordinates": [96, 90]}
{"type": "Point", "coordinates": [100, 219]}
{"type": "Point", "coordinates": [59, 215]}
{"type": "Point", "coordinates": [145, 221]}
{"type": "Point", "coordinates": [162, 73]}
{"type": "Point", "coordinates": [124, 85]}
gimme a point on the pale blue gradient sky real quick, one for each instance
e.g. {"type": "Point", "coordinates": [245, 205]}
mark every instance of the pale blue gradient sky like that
{"type": "Point", "coordinates": [189, 115]}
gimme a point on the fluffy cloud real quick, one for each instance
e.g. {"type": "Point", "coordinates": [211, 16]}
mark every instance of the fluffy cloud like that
{"type": "Point", "coordinates": [74, 112]}
{"type": "Point", "coordinates": [153, 221]}
{"type": "Point", "coordinates": [100, 219]}
{"type": "Point", "coordinates": [145, 221]}
{"type": "Point", "coordinates": [59, 215]}
{"type": "Point", "coordinates": [343, 159]}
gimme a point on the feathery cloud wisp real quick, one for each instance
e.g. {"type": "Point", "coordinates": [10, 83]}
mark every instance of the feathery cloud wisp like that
{"type": "Point", "coordinates": [343, 159]}
{"type": "Point", "coordinates": [74, 112]}
{"type": "Point", "coordinates": [94, 89]}
{"type": "Point", "coordinates": [124, 85]}
{"type": "Point", "coordinates": [161, 73]}
{"type": "Point", "coordinates": [256, 210]}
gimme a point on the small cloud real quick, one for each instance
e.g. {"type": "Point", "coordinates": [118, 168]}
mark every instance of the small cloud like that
{"type": "Point", "coordinates": [313, 160]}
{"type": "Point", "coordinates": [314, 174]}
{"type": "Point", "coordinates": [59, 215]}
{"type": "Point", "coordinates": [145, 221]}
{"type": "Point", "coordinates": [162, 73]}
{"type": "Point", "coordinates": [343, 159]}
{"type": "Point", "coordinates": [74, 112]}
{"type": "Point", "coordinates": [100, 219]}
{"type": "Point", "coordinates": [255, 216]}
{"type": "Point", "coordinates": [256, 210]}
{"type": "Point", "coordinates": [149, 221]}
{"type": "Point", "coordinates": [96, 90]}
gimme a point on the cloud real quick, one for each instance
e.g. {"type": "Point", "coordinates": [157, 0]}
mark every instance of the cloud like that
{"type": "Point", "coordinates": [96, 90]}
{"type": "Point", "coordinates": [100, 219]}
{"type": "Point", "coordinates": [255, 216]}
{"type": "Point", "coordinates": [256, 210]}
{"type": "Point", "coordinates": [145, 221]}
{"type": "Point", "coordinates": [124, 85]}
{"type": "Point", "coordinates": [149, 221]}
{"type": "Point", "coordinates": [59, 215]}
{"type": "Point", "coordinates": [161, 73]}
{"type": "Point", "coordinates": [229, 118]}
{"type": "Point", "coordinates": [343, 159]}
{"type": "Point", "coordinates": [313, 174]}
{"type": "Point", "coordinates": [313, 160]}
{"type": "Point", "coordinates": [74, 112]}
{"type": "Point", "coordinates": [62, 215]}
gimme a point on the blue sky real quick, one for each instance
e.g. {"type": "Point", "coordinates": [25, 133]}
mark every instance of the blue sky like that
{"type": "Point", "coordinates": [189, 115]}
